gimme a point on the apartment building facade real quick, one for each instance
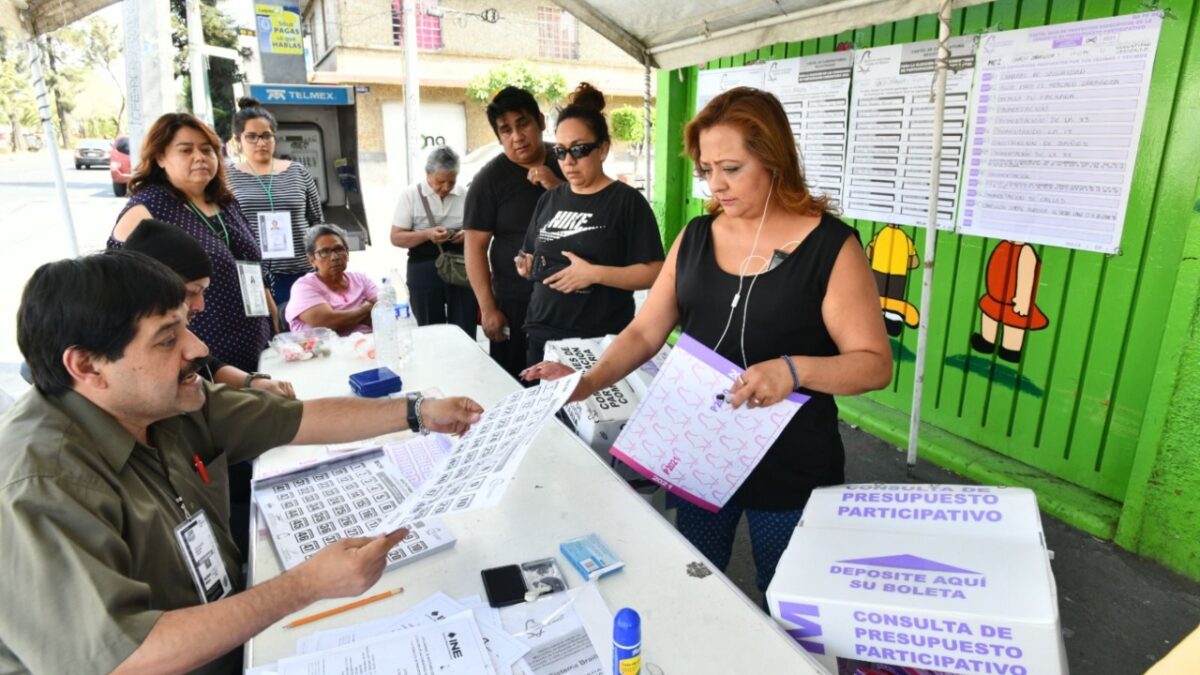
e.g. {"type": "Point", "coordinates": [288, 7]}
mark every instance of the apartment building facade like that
{"type": "Point", "coordinates": [360, 42]}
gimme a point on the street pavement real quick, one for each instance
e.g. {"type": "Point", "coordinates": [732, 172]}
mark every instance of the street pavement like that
{"type": "Point", "coordinates": [1120, 613]}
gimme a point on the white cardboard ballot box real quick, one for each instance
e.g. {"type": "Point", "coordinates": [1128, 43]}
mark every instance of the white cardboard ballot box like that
{"type": "Point", "coordinates": [598, 420]}
{"type": "Point", "coordinates": [640, 379]}
{"type": "Point", "coordinates": [1009, 513]}
{"type": "Point", "coordinates": [944, 604]}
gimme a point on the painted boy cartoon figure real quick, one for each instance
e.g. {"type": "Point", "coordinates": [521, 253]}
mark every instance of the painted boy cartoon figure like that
{"type": "Point", "coordinates": [1012, 280]}
{"type": "Point", "coordinates": [892, 254]}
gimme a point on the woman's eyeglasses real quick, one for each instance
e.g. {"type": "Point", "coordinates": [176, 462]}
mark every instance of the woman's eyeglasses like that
{"type": "Point", "coordinates": [577, 151]}
{"type": "Point", "coordinates": [253, 138]}
{"type": "Point", "coordinates": [340, 251]}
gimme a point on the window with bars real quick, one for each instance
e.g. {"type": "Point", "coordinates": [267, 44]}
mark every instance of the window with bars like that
{"type": "Point", "coordinates": [558, 34]}
{"type": "Point", "coordinates": [429, 28]}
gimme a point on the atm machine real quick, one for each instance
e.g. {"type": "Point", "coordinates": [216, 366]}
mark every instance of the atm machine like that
{"type": "Point", "coordinates": [317, 123]}
{"type": "Point", "coordinates": [317, 127]}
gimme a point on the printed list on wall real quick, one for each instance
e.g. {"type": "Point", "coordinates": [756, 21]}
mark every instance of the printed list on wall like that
{"type": "Point", "coordinates": [1057, 117]}
{"type": "Point", "coordinates": [815, 94]}
{"type": "Point", "coordinates": [891, 132]}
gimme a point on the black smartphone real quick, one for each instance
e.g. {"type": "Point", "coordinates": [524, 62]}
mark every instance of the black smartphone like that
{"type": "Point", "coordinates": [504, 585]}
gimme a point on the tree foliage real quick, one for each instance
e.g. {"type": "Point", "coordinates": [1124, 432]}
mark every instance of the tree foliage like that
{"type": "Point", "coordinates": [99, 46]}
{"type": "Point", "coordinates": [17, 107]}
{"type": "Point", "coordinates": [547, 87]}
{"type": "Point", "coordinates": [628, 124]}
{"type": "Point", "coordinates": [223, 74]}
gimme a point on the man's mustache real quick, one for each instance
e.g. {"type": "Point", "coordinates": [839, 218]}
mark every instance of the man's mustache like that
{"type": "Point", "coordinates": [192, 368]}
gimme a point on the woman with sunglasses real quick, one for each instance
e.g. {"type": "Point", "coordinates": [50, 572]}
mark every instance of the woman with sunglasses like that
{"type": "Point", "coordinates": [280, 198]}
{"type": "Point", "coordinates": [592, 241]}
{"type": "Point", "coordinates": [331, 297]}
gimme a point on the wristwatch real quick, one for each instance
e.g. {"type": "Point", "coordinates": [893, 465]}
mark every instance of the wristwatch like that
{"type": "Point", "coordinates": [251, 377]}
{"type": "Point", "coordinates": [413, 413]}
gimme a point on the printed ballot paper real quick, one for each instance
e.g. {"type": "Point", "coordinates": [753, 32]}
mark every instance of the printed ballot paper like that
{"type": "Point", "coordinates": [450, 647]}
{"type": "Point", "coordinates": [485, 460]}
{"type": "Point", "coordinates": [348, 496]}
{"type": "Point", "coordinates": [686, 436]}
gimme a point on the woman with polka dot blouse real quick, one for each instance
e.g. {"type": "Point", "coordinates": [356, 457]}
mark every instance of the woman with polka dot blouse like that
{"type": "Point", "coordinates": [180, 180]}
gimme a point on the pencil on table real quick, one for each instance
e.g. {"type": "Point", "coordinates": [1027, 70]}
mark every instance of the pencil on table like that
{"type": "Point", "coordinates": [344, 608]}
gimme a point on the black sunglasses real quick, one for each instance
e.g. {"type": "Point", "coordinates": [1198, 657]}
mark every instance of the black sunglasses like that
{"type": "Point", "coordinates": [577, 151]}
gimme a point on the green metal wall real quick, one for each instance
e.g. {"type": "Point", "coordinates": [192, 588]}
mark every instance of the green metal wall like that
{"type": "Point", "coordinates": [1074, 405]}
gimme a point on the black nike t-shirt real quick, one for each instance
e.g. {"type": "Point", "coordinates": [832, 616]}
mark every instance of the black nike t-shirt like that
{"type": "Point", "coordinates": [501, 201]}
{"type": "Point", "coordinates": [613, 227]}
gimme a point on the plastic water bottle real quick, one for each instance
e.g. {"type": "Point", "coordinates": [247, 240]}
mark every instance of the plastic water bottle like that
{"type": "Point", "coordinates": [384, 325]}
{"type": "Point", "coordinates": [627, 642]}
{"type": "Point", "coordinates": [405, 321]}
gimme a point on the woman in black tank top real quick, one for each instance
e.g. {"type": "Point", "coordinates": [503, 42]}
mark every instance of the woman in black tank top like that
{"type": "Point", "coordinates": [776, 284]}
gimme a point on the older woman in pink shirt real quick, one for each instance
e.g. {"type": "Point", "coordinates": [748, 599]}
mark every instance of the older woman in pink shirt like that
{"type": "Point", "coordinates": [331, 297]}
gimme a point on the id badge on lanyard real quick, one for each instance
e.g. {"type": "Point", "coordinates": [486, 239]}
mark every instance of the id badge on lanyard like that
{"type": "Point", "coordinates": [275, 234]}
{"type": "Point", "coordinates": [254, 295]}
{"type": "Point", "coordinates": [202, 556]}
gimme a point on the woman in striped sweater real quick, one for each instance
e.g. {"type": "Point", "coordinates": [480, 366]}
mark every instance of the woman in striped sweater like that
{"type": "Point", "coordinates": [273, 193]}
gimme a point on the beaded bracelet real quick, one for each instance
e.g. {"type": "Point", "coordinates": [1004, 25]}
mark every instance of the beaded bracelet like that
{"type": "Point", "coordinates": [792, 367]}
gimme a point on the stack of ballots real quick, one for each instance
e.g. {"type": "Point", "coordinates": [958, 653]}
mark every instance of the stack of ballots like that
{"type": "Point", "coordinates": [937, 578]}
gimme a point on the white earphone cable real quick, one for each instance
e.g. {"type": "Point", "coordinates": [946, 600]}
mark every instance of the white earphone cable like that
{"type": "Point", "coordinates": [742, 278]}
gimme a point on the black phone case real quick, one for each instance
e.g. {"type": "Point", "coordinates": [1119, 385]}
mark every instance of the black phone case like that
{"type": "Point", "coordinates": [504, 585]}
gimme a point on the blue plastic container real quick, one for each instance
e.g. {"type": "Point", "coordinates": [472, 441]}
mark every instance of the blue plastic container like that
{"type": "Point", "coordinates": [627, 642]}
{"type": "Point", "coordinates": [375, 383]}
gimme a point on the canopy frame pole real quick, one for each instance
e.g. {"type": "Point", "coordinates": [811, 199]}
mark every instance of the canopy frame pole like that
{"type": "Point", "coordinates": [51, 144]}
{"type": "Point", "coordinates": [939, 117]}
{"type": "Point", "coordinates": [648, 191]}
{"type": "Point", "coordinates": [412, 93]}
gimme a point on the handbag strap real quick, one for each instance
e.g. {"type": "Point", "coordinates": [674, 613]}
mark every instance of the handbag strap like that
{"type": "Point", "coordinates": [429, 214]}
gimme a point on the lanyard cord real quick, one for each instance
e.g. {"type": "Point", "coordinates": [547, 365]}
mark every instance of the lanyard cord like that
{"type": "Point", "coordinates": [269, 185]}
{"type": "Point", "coordinates": [162, 462]}
{"type": "Point", "coordinates": [208, 221]}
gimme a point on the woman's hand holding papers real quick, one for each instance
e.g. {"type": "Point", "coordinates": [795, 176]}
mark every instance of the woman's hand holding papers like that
{"type": "Point", "coordinates": [553, 370]}
{"type": "Point", "coordinates": [346, 568]}
{"type": "Point", "coordinates": [762, 384]}
{"type": "Point", "coordinates": [450, 415]}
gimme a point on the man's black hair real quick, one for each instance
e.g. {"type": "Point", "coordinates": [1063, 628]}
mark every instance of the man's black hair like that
{"type": "Point", "coordinates": [512, 99]}
{"type": "Point", "coordinates": [93, 303]}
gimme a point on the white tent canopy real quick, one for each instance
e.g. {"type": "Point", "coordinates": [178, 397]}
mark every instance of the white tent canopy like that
{"type": "Point", "coordinates": [675, 34]}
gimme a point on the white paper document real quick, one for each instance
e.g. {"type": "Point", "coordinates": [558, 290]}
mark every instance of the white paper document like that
{"type": "Point", "coordinates": [689, 441]}
{"type": "Point", "coordinates": [1057, 117]}
{"type": "Point", "coordinates": [815, 94]}
{"type": "Point", "coordinates": [503, 649]}
{"type": "Point", "coordinates": [483, 463]}
{"type": "Point", "coordinates": [890, 151]}
{"type": "Point", "coordinates": [576, 640]}
{"type": "Point", "coordinates": [450, 647]}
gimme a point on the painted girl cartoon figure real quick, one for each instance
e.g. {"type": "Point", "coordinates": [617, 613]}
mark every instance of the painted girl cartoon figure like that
{"type": "Point", "coordinates": [1012, 281]}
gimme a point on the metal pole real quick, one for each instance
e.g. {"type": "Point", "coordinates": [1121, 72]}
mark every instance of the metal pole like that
{"type": "Point", "coordinates": [412, 92]}
{"type": "Point", "coordinates": [939, 116]}
{"type": "Point", "coordinates": [646, 141]}
{"type": "Point", "coordinates": [51, 144]}
{"type": "Point", "coordinates": [201, 107]}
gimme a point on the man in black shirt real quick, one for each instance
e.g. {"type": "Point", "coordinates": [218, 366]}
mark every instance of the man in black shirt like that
{"type": "Point", "coordinates": [500, 203]}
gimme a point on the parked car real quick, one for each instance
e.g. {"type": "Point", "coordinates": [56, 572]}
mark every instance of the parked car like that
{"type": "Point", "coordinates": [91, 152]}
{"type": "Point", "coordinates": [119, 166]}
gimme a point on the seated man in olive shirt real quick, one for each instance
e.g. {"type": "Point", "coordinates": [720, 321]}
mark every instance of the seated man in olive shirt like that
{"type": "Point", "coordinates": [114, 536]}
